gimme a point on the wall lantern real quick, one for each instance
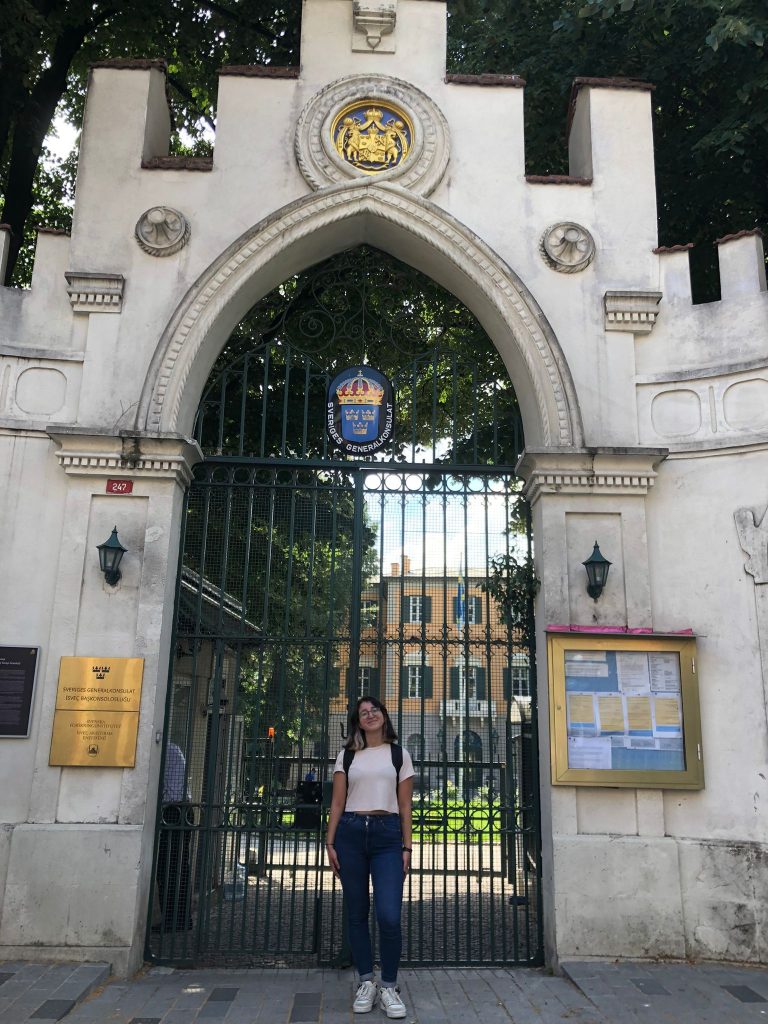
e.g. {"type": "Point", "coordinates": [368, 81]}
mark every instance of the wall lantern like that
{"type": "Point", "coordinates": [597, 572]}
{"type": "Point", "coordinates": [110, 555]}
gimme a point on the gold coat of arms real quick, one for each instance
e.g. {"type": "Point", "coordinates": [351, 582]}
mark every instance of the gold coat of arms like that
{"type": "Point", "coordinates": [372, 137]}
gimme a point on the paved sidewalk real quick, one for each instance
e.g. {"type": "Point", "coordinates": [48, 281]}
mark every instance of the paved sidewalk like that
{"type": "Point", "coordinates": [45, 992]}
{"type": "Point", "coordinates": [673, 993]}
{"type": "Point", "coordinates": [586, 993]}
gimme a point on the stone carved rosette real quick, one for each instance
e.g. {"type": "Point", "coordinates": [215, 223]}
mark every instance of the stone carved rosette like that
{"type": "Point", "coordinates": [162, 231]}
{"type": "Point", "coordinates": [567, 247]}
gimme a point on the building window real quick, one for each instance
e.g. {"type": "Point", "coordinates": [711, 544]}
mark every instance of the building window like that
{"type": "Point", "coordinates": [517, 678]}
{"type": "Point", "coordinates": [468, 608]}
{"type": "Point", "coordinates": [519, 675]}
{"type": "Point", "coordinates": [364, 680]}
{"type": "Point", "coordinates": [414, 681]}
{"type": "Point", "coordinates": [467, 682]}
{"type": "Point", "coordinates": [470, 689]}
{"type": "Point", "coordinates": [369, 614]}
{"type": "Point", "coordinates": [415, 609]}
{"type": "Point", "coordinates": [415, 678]}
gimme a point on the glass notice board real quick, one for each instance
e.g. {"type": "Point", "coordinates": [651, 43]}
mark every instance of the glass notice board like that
{"type": "Point", "coordinates": [624, 711]}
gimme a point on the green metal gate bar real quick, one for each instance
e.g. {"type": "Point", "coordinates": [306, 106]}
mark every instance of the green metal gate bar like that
{"type": "Point", "coordinates": [306, 580]}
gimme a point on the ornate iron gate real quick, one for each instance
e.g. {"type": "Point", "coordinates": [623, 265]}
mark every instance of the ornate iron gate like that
{"type": "Point", "coordinates": [308, 579]}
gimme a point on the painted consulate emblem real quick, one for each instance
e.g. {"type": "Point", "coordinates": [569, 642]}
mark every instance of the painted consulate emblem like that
{"type": "Point", "coordinates": [360, 410]}
{"type": "Point", "coordinates": [372, 136]}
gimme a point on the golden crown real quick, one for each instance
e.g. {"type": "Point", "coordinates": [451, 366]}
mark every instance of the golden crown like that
{"type": "Point", "coordinates": [360, 390]}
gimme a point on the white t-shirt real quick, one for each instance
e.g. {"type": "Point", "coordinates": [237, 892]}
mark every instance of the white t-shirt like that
{"type": "Point", "coordinates": [373, 779]}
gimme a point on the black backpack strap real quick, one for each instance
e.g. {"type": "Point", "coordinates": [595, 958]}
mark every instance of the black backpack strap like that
{"type": "Point", "coordinates": [397, 760]}
{"type": "Point", "coordinates": [348, 757]}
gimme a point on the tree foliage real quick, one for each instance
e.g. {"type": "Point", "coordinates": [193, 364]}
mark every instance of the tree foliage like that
{"type": "Point", "coordinates": [708, 63]}
{"type": "Point", "coordinates": [47, 45]}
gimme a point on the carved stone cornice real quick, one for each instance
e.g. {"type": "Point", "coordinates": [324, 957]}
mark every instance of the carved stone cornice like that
{"type": "Point", "coordinates": [90, 292]}
{"type": "Point", "coordinates": [636, 312]}
{"type": "Point", "coordinates": [372, 20]}
{"type": "Point", "coordinates": [593, 471]}
{"type": "Point", "coordinates": [139, 456]}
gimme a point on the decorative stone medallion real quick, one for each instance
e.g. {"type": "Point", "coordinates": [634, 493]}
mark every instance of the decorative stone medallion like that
{"type": "Point", "coordinates": [372, 137]}
{"type": "Point", "coordinates": [372, 125]}
{"type": "Point", "coordinates": [162, 231]}
{"type": "Point", "coordinates": [567, 247]}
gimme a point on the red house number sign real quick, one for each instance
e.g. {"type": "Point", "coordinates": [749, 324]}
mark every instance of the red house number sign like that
{"type": "Point", "coordinates": [119, 486]}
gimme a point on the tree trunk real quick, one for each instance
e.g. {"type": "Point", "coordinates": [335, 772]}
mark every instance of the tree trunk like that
{"type": "Point", "coordinates": [31, 123]}
{"type": "Point", "coordinates": [11, 96]}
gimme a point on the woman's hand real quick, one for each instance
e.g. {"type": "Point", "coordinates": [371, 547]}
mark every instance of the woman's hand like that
{"type": "Point", "coordinates": [333, 858]}
{"type": "Point", "coordinates": [406, 861]}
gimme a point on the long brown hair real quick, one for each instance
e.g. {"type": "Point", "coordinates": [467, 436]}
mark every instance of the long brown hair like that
{"type": "Point", "coordinates": [357, 739]}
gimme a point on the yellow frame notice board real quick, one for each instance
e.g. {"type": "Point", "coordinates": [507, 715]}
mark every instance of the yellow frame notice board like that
{"type": "Point", "coordinates": [624, 711]}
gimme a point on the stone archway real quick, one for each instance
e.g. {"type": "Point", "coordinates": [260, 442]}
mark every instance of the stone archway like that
{"type": "Point", "coordinates": [305, 583]}
{"type": "Point", "coordinates": [410, 228]}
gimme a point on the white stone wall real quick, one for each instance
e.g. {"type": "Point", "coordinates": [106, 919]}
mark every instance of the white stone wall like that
{"type": "Point", "coordinates": [647, 435]}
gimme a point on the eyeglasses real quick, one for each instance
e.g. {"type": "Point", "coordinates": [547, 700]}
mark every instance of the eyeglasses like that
{"type": "Point", "coordinates": [369, 714]}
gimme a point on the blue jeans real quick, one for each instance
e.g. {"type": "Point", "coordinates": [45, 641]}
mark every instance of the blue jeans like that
{"type": "Point", "coordinates": [370, 846]}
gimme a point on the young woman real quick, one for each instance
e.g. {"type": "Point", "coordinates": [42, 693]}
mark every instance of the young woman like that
{"type": "Point", "coordinates": [369, 837]}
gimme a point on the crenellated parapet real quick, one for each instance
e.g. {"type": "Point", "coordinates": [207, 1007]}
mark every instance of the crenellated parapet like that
{"type": "Point", "coordinates": [648, 365]}
{"type": "Point", "coordinates": [702, 378]}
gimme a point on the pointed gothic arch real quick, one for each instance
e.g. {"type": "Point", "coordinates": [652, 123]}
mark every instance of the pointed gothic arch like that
{"type": "Point", "coordinates": [413, 230]}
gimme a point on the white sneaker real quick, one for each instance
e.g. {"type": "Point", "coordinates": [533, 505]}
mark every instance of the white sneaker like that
{"type": "Point", "coordinates": [391, 1003]}
{"type": "Point", "coordinates": [365, 997]}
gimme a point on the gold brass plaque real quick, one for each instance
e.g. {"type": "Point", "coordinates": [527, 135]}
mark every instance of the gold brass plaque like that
{"type": "Point", "coordinates": [105, 739]}
{"type": "Point", "coordinates": [97, 712]}
{"type": "Point", "coordinates": [104, 684]}
{"type": "Point", "coordinates": [372, 136]}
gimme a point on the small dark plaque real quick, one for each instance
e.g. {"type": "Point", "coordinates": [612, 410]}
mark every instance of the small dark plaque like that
{"type": "Point", "coordinates": [119, 486]}
{"type": "Point", "coordinates": [18, 667]}
{"type": "Point", "coordinates": [360, 410]}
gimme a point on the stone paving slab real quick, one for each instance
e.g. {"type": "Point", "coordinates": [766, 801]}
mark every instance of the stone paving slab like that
{"type": "Point", "coordinates": [585, 993]}
{"type": "Point", "coordinates": [674, 993]}
{"type": "Point", "coordinates": [45, 992]}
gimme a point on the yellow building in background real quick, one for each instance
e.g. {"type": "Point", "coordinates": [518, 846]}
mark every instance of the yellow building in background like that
{"type": "Point", "coordinates": [435, 650]}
